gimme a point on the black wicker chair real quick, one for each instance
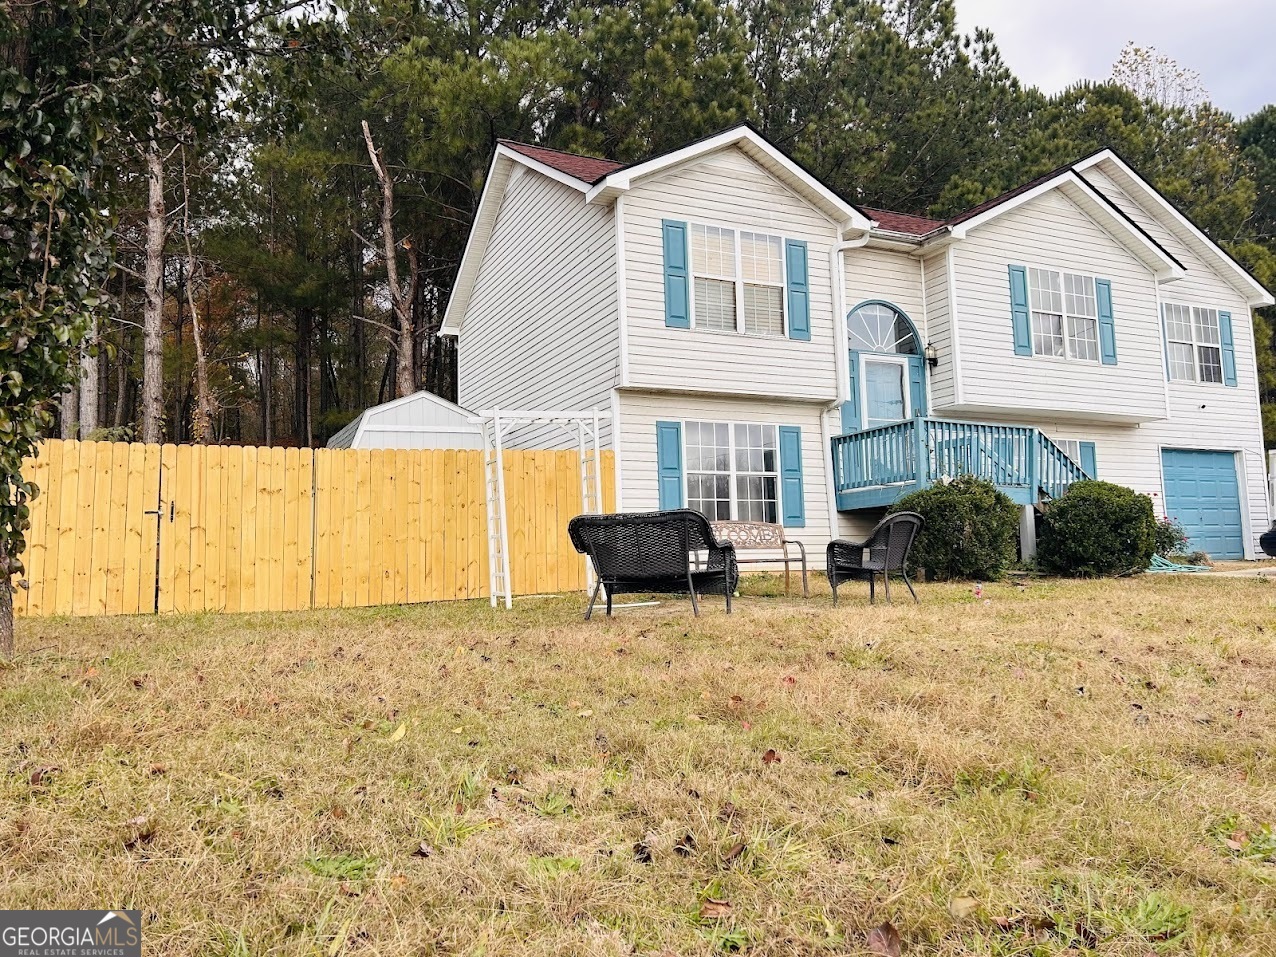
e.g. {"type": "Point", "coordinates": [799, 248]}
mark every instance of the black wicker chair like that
{"type": "Point", "coordinates": [887, 551]}
{"type": "Point", "coordinates": [669, 552]}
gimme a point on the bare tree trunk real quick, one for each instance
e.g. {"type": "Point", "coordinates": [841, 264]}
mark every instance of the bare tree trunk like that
{"type": "Point", "coordinates": [401, 296]}
{"type": "Point", "coordinates": [88, 383]}
{"type": "Point", "coordinates": [6, 606]}
{"type": "Point", "coordinates": [153, 312]}
{"type": "Point", "coordinates": [202, 426]}
{"type": "Point", "coordinates": [70, 412]}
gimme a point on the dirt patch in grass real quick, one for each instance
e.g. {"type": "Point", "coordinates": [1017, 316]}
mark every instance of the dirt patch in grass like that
{"type": "Point", "coordinates": [1054, 766]}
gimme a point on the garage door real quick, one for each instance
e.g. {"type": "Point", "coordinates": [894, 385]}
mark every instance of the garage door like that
{"type": "Point", "coordinates": [1202, 495]}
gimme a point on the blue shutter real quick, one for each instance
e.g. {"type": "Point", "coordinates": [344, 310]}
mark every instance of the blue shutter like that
{"type": "Point", "coordinates": [677, 276]}
{"type": "Point", "coordinates": [1019, 320]}
{"type": "Point", "coordinates": [917, 384]}
{"type": "Point", "coordinates": [1087, 459]}
{"type": "Point", "coordinates": [669, 463]}
{"type": "Point", "coordinates": [1107, 327]}
{"type": "Point", "coordinates": [799, 292]}
{"type": "Point", "coordinates": [1229, 350]}
{"type": "Point", "coordinates": [851, 407]}
{"type": "Point", "coordinates": [792, 508]}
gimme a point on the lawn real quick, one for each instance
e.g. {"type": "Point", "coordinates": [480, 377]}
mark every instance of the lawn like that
{"type": "Point", "coordinates": [1053, 767]}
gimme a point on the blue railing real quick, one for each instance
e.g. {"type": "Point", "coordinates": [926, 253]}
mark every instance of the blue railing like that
{"type": "Point", "coordinates": [876, 466]}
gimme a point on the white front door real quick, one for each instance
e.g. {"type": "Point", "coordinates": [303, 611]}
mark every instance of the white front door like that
{"type": "Point", "coordinates": [885, 390]}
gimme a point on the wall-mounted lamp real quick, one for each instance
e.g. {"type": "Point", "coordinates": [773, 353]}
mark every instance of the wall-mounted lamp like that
{"type": "Point", "coordinates": [932, 356]}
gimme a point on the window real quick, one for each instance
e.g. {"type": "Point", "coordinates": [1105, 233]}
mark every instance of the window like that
{"type": "Point", "coordinates": [1065, 315]}
{"type": "Point", "coordinates": [877, 327]}
{"type": "Point", "coordinates": [1195, 351]}
{"type": "Point", "coordinates": [732, 471]}
{"type": "Point", "coordinates": [1072, 447]}
{"type": "Point", "coordinates": [738, 280]}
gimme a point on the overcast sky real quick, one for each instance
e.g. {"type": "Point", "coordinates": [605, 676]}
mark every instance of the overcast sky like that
{"type": "Point", "coordinates": [1050, 44]}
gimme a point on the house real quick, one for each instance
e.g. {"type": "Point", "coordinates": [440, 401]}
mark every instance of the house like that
{"type": "Point", "coordinates": [767, 350]}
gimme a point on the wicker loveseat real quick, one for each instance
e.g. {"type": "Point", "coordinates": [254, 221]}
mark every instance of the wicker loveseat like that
{"type": "Point", "coordinates": [672, 552]}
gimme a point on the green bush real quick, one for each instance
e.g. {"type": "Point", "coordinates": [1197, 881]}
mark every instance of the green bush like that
{"type": "Point", "coordinates": [970, 531]}
{"type": "Point", "coordinates": [1097, 529]}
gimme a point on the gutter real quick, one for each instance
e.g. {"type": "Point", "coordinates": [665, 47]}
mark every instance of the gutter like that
{"type": "Point", "coordinates": [837, 270]}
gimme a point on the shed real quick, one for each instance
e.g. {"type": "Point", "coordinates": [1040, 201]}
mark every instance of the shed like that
{"type": "Point", "coordinates": [421, 420]}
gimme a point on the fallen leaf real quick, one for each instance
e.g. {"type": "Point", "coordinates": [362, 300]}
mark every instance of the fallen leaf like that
{"type": "Point", "coordinates": [369, 724]}
{"type": "Point", "coordinates": [746, 725]}
{"type": "Point", "coordinates": [735, 851]}
{"type": "Point", "coordinates": [399, 732]}
{"type": "Point", "coordinates": [884, 940]}
{"type": "Point", "coordinates": [90, 672]}
{"type": "Point", "coordinates": [789, 681]}
{"type": "Point", "coordinates": [962, 907]}
{"type": "Point", "coordinates": [574, 704]}
{"type": "Point", "coordinates": [39, 774]}
{"type": "Point", "coordinates": [159, 768]}
{"type": "Point", "coordinates": [735, 701]}
{"type": "Point", "coordinates": [770, 757]}
{"type": "Point", "coordinates": [585, 713]}
{"type": "Point", "coordinates": [713, 909]}
{"type": "Point", "coordinates": [423, 850]}
{"type": "Point", "coordinates": [685, 846]}
{"type": "Point", "coordinates": [642, 852]}
{"type": "Point", "coordinates": [727, 812]}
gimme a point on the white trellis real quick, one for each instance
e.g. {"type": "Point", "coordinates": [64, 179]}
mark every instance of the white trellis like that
{"type": "Point", "coordinates": [497, 424]}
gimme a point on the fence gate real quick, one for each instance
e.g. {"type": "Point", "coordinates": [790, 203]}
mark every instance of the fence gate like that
{"type": "Point", "coordinates": [94, 530]}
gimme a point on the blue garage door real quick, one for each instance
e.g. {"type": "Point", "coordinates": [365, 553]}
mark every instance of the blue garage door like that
{"type": "Point", "coordinates": [1202, 495]}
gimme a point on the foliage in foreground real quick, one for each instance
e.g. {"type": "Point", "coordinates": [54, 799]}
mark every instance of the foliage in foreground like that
{"type": "Point", "coordinates": [1098, 529]}
{"type": "Point", "coordinates": [970, 531]}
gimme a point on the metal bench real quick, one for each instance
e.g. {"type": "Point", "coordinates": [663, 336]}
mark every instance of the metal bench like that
{"type": "Point", "coordinates": [762, 536]}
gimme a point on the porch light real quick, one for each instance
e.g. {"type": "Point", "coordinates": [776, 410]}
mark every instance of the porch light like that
{"type": "Point", "coordinates": [932, 355]}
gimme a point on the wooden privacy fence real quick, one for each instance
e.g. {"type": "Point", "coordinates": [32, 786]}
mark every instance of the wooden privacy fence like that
{"type": "Point", "coordinates": [122, 528]}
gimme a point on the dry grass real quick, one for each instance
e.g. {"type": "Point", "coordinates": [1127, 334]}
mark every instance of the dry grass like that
{"type": "Point", "coordinates": [1092, 763]}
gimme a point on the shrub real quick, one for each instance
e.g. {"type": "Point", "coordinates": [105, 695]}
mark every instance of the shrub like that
{"type": "Point", "coordinates": [970, 529]}
{"type": "Point", "coordinates": [1170, 538]}
{"type": "Point", "coordinates": [1097, 529]}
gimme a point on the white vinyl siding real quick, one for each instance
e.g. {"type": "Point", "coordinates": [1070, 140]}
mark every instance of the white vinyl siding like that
{"type": "Point", "coordinates": [942, 378]}
{"type": "Point", "coordinates": [1201, 415]}
{"type": "Point", "coordinates": [640, 411]}
{"type": "Point", "coordinates": [730, 191]}
{"type": "Point", "coordinates": [1052, 231]}
{"type": "Point", "coordinates": [542, 330]}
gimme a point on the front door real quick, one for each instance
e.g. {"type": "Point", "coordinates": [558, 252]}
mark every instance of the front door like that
{"type": "Point", "coordinates": [885, 391]}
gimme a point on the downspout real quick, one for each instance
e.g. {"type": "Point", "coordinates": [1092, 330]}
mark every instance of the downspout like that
{"type": "Point", "coordinates": [837, 269]}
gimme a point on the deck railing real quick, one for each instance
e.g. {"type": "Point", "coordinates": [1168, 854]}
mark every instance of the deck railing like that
{"type": "Point", "coordinates": [921, 451]}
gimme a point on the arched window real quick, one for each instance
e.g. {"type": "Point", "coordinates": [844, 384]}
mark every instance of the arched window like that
{"type": "Point", "coordinates": [877, 327]}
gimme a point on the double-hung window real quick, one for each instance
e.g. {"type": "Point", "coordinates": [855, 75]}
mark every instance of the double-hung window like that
{"type": "Point", "coordinates": [1065, 315]}
{"type": "Point", "coordinates": [732, 471]}
{"type": "Point", "coordinates": [738, 280]}
{"type": "Point", "coordinates": [1195, 350]}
